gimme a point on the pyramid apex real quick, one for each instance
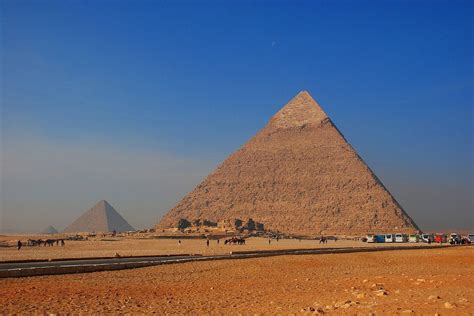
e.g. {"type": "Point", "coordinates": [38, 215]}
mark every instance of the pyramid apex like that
{"type": "Point", "coordinates": [302, 110]}
{"type": "Point", "coordinates": [103, 202]}
{"type": "Point", "coordinates": [304, 92]}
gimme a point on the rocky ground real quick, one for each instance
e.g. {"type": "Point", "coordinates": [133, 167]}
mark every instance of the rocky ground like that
{"type": "Point", "coordinates": [423, 282]}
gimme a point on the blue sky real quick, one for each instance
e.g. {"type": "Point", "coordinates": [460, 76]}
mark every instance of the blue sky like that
{"type": "Point", "coordinates": [136, 101]}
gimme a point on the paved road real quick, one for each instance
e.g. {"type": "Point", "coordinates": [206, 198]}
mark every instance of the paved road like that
{"type": "Point", "coordinates": [20, 269]}
{"type": "Point", "coordinates": [88, 262]}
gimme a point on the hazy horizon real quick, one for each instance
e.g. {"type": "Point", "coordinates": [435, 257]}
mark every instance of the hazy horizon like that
{"type": "Point", "coordinates": [136, 102]}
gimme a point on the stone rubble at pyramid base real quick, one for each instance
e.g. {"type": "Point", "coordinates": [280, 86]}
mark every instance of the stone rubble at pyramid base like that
{"type": "Point", "coordinates": [251, 227]}
{"type": "Point", "coordinates": [230, 225]}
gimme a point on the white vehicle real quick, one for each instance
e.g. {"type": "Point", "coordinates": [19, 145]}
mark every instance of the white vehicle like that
{"type": "Point", "coordinates": [400, 238]}
{"type": "Point", "coordinates": [389, 238]}
{"type": "Point", "coordinates": [470, 237]}
{"type": "Point", "coordinates": [413, 238]}
{"type": "Point", "coordinates": [427, 238]}
{"type": "Point", "coordinates": [370, 238]}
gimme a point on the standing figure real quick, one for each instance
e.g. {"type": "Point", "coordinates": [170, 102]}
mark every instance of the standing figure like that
{"type": "Point", "coordinates": [19, 244]}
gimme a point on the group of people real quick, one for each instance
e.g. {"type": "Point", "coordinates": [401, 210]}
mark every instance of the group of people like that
{"type": "Point", "coordinates": [207, 242]}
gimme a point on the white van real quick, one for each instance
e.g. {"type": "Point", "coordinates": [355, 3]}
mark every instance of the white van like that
{"type": "Point", "coordinates": [427, 238]}
{"type": "Point", "coordinates": [389, 238]}
{"type": "Point", "coordinates": [400, 238]}
{"type": "Point", "coordinates": [413, 238]}
{"type": "Point", "coordinates": [470, 237]}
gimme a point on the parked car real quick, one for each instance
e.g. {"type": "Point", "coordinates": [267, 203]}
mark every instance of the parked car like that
{"type": "Point", "coordinates": [440, 238]}
{"type": "Point", "coordinates": [370, 238]}
{"type": "Point", "coordinates": [470, 237]}
{"type": "Point", "coordinates": [400, 238]}
{"type": "Point", "coordinates": [413, 238]}
{"type": "Point", "coordinates": [389, 238]}
{"type": "Point", "coordinates": [379, 238]}
{"type": "Point", "coordinates": [427, 238]}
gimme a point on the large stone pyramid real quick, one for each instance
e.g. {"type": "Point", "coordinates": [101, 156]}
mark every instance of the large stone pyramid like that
{"type": "Point", "coordinates": [298, 175]}
{"type": "Point", "coordinates": [101, 218]}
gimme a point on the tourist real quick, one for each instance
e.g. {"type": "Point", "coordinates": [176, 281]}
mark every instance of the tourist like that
{"type": "Point", "coordinates": [218, 241]}
{"type": "Point", "coordinates": [207, 242]}
{"type": "Point", "coordinates": [269, 241]}
{"type": "Point", "coordinates": [19, 244]}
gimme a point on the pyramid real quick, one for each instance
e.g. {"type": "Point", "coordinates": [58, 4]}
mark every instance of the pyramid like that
{"type": "Point", "coordinates": [298, 175]}
{"type": "Point", "coordinates": [50, 230]}
{"type": "Point", "coordinates": [101, 218]}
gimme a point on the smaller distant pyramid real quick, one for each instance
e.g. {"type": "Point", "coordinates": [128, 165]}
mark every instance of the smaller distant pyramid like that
{"type": "Point", "coordinates": [50, 230]}
{"type": "Point", "coordinates": [101, 218]}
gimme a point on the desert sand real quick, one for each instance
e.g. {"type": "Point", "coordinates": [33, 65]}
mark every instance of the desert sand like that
{"type": "Point", "coordinates": [422, 282]}
{"type": "Point", "coordinates": [108, 247]}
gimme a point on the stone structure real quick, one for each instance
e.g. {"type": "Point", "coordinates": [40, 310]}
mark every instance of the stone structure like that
{"type": "Point", "coordinates": [298, 175]}
{"type": "Point", "coordinates": [50, 230]}
{"type": "Point", "coordinates": [101, 218]}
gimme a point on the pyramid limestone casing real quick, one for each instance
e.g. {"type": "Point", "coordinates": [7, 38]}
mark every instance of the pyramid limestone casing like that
{"type": "Point", "coordinates": [101, 218]}
{"type": "Point", "coordinates": [298, 175]}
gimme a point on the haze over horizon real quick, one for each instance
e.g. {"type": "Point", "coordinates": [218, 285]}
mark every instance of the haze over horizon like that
{"type": "Point", "coordinates": [136, 102]}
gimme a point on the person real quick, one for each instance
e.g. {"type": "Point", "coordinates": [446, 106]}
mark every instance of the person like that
{"type": "Point", "coordinates": [62, 242]}
{"type": "Point", "coordinates": [269, 241]}
{"type": "Point", "coordinates": [218, 241]}
{"type": "Point", "coordinates": [19, 244]}
{"type": "Point", "coordinates": [179, 242]}
{"type": "Point", "coordinates": [207, 242]}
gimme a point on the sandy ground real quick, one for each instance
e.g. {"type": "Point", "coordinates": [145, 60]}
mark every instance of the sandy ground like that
{"type": "Point", "coordinates": [423, 282]}
{"type": "Point", "coordinates": [144, 247]}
